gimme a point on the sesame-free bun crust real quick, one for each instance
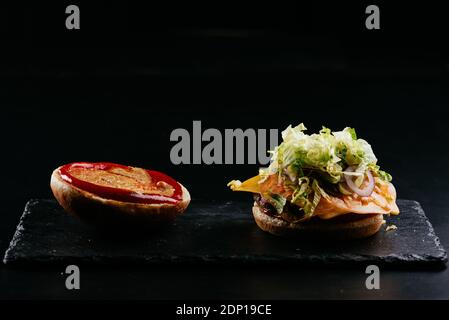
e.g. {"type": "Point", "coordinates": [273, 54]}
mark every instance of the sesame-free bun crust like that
{"type": "Point", "coordinates": [103, 212]}
{"type": "Point", "coordinates": [344, 228]}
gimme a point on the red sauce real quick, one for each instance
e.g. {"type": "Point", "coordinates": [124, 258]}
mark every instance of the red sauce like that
{"type": "Point", "coordinates": [171, 193]}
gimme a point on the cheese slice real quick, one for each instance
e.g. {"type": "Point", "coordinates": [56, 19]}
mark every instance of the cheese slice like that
{"type": "Point", "coordinates": [381, 201]}
{"type": "Point", "coordinates": [250, 185]}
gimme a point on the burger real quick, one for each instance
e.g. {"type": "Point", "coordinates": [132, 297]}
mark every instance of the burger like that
{"type": "Point", "coordinates": [321, 185]}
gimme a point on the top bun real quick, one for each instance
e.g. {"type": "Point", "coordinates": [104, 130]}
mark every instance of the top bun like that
{"type": "Point", "coordinates": [99, 211]}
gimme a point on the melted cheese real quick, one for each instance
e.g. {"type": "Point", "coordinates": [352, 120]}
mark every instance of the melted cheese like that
{"type": "Point", "coordinates": [381, 201]}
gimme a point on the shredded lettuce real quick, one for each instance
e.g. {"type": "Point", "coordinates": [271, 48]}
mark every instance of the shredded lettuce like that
{"type": "Point", "coordinates": [326, 153]}
{"type": "Point", "coordinates": [308, 162]}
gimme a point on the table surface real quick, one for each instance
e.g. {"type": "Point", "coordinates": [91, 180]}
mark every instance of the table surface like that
{"type": "Point", "coordinates": [217, 233]}
{"type": "Point", "coordinates": [226, 282]}
{"type": "Point", "coordinates": [400, 98]}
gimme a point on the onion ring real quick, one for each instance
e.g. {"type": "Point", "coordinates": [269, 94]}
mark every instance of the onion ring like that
{"type": "Point", "coordinates": [365, 192]}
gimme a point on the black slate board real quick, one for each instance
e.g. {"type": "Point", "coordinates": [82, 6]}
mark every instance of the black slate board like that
{"type": "Point", "coordinates": [216, 232]}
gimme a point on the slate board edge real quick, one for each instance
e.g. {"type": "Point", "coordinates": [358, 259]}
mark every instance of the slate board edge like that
{"type": "Point", "coordinates": [439, 260]}
{"type": "Point", "coordinates": [18, 233]}
{"type": "Point", "coordinates": [443, 254]}
{"type": "Point", "coordinates": [305, 260]}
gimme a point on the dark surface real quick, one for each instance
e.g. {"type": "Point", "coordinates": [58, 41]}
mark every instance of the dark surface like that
{"type": "Point", "coordinates": [115, 90]}
{"type": "Point", "coordinates": [217, 232]}
{"type": "Point", "coordinates": [410, 140]}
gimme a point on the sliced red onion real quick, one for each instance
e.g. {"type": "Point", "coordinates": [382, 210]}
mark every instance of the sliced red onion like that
{"type": "Point", "coordinates": [367, 191]}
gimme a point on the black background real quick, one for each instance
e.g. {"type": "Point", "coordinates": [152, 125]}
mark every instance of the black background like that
{"type": "Point", "coordinates": [114, 90]}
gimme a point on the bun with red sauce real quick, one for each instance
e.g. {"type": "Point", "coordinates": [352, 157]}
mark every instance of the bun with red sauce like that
{"type": "Point", "coordinates": [107, 194]}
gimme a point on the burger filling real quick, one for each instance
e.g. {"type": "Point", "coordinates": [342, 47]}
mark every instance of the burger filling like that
{"type": "Point", "coordinates": [322, 175]}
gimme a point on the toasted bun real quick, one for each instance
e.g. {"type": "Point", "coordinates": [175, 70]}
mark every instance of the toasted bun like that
{"type": "Point", "coordinates": [351, 226]}
{"type": "Point", "coordinates": [105, 212]}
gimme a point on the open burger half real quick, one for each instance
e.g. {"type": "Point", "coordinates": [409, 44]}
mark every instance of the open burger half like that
{"type": "Point", "coordinates": [112, 195]}
{"type": "Point", "coordinates": [321, 185]}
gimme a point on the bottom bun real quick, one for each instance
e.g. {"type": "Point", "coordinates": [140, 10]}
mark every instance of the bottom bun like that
{"type": "Point", "coordinates": [350, 226]}
{"type": "Point", "coordinates": [102, 212]}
